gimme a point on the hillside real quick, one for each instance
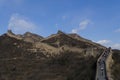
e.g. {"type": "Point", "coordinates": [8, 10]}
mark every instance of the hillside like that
{"type": "Point", "coordinates": [76, 36]}
{"type": "Point", "coordinates": [11, 47]}
{"type": "Point", "coordinates": [58, 57]}
{"type": "Point", "coordinates": [61, 39]}
{"type": "Point", "coordinates": [116, 65]}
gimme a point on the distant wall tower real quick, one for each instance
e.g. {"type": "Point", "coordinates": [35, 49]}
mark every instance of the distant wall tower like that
{"type": "Point", "coordinates": [10, 32]}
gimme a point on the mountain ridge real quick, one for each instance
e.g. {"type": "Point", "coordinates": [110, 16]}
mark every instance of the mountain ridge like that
{"type": "Point", "coordinates": [32, 37]}
{"type": "Point", "coordinates": [60, 56]}
{"type": "Point", "coordinates": [28, 36]}
{"type": "Point", "coordinates": [57, 57]}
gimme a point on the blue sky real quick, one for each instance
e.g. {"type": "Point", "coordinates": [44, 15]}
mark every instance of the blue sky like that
{"type": "Point", "coordinates": [97, 20]}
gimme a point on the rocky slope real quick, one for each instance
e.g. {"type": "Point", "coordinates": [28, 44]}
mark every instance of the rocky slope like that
{"type": "Point", "coordinates": [57, 57]}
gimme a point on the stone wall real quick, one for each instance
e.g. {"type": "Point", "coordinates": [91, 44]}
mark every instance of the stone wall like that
{"type": "Point", "coordinates": [109, 62]}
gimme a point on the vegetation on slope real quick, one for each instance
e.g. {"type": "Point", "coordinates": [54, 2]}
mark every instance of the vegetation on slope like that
{"type": "Point", "coordinates": [116, 65]}
{"type": "Point", "coordinates": [11, 47]}
{"type": "Point", "coordinates": [18, 63]}
{"type": "Point", "coordinates": [66, 66]}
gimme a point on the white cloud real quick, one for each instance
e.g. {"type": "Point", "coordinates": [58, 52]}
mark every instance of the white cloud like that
{"type": "Point", "coordinates": [118, 30]}
{"type": "Point", "coordinates": [20, 24]}
{"type": "Point", "coordinates": [75, 31]}
{"type": "Point", "coordinates": [116, 46]}
{"type": "Point", "coordinates": [103, 42]}
{"type": "Point", "coordinates": [82, 25]}
{"type": "Point", "coordinates": [109, 43]}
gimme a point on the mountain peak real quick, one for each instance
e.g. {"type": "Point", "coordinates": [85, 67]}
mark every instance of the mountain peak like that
{"type": "Point", "coordinates": [10, 32]}
{"type": "Point", "coordinates": [28, 34]}
{"type": "Point", "coordinates": [31, 37]}
{"type": "Point", "coordinates": [60, 32]}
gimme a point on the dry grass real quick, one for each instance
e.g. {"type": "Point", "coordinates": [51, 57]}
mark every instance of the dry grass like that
{"type": "Point", "coordinates": [18, 63]}
{"type": "Point", "coordinates": [116, 65]}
